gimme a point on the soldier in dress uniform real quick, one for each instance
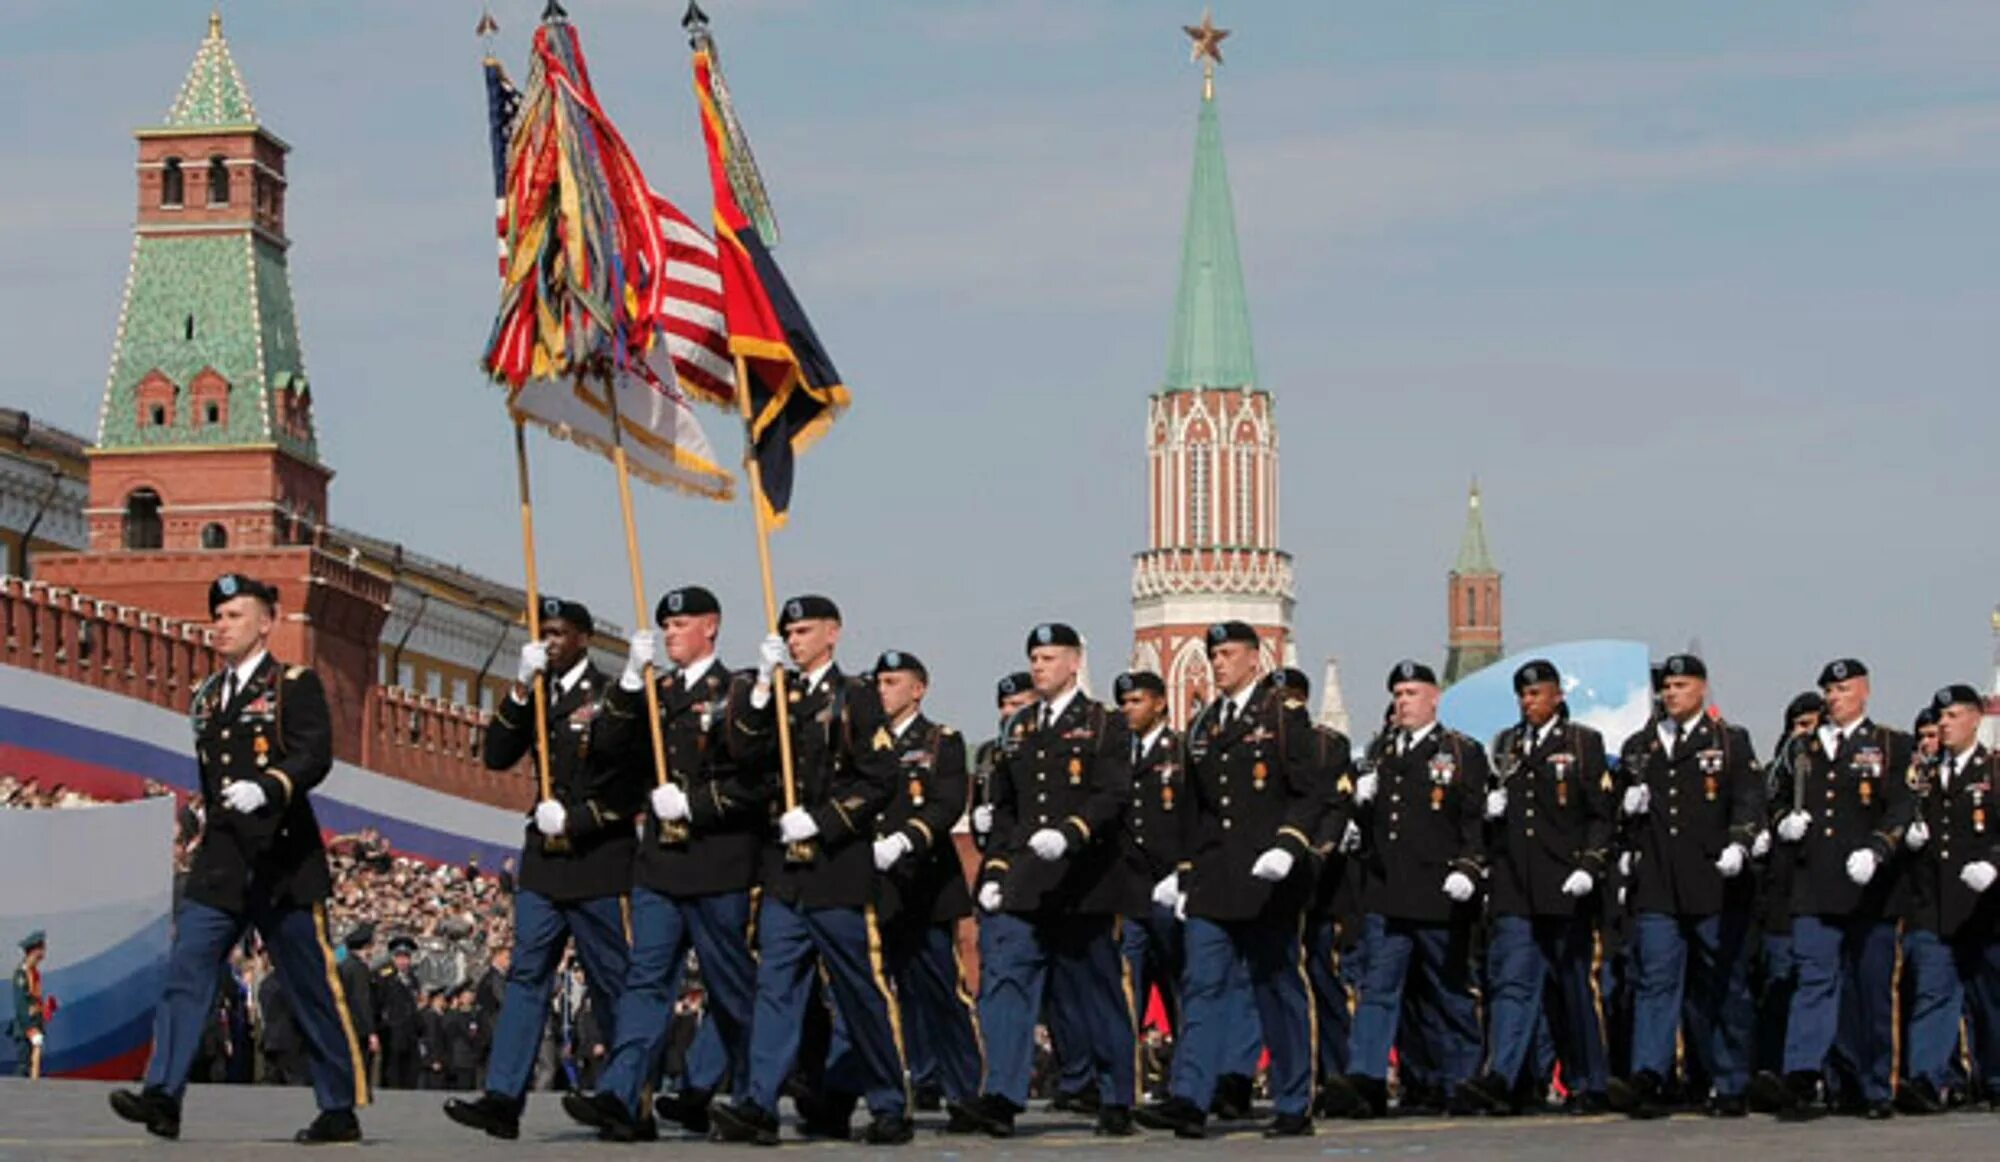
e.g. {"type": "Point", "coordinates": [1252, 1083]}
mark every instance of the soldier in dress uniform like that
{"type": "Point", "coordinates": [1052, 885]}
{"type": "Point", "coordinates": [1693, 799]}
{"type": "Point", "coordinates": [921, 892]}
{"type": "Point", "coordinates": [396, 991]}
{"type": "Point", "coordinates": [1777, 973]}
{"type": "Point", "coordinates": [818, 898]}
{"type": "Point", "coordinates": [263, 740]}
{"type": "Point", "coordinates": [697, 861]}
{"type": "Point", "coordinates": [1952, 922]}
{"type": "Point", "coordinates": [1011, 694]}
{"type": "Point", "coordinates": [357, 984]}
{"type": "Point", "coordinates": [576, 865]}
{"type": "Point", "coordinates": [29, 1008]}
{"type": "Point", "coordinates": [1333, 918]}
{"type": "Point", "coordinates": [1839, 820]}
{"type": "Point", "coordinates": [1421, 859]}
{"type": "Point", "coordinates": [1551, 811]}
{"type": "Point", "coordinates": [1255, 802]}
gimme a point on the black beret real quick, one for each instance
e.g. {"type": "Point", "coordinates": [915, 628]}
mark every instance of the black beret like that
{"type": "Point", "coordinates": [1840, 670]}
{"type": "Point", "coordinates": [1293, 678]}
{"type": "Point", "coordinates": [1684, 666]}
{"type": "Point", "coordinates": [1928, 716]}
{"type": "Point", "coordinates": [402, 944]}
{"type": "Point", "coordinates": [361, 936]}
{"type": "Point", "coordinates": [901, 662]}
{"type": "Point", "coordinates": [233, 585]}
{"type": "Point", "coordinates": [1018, 682]}
{"type": "Point", "coordinates": [1231, 631]}
{"type": "Point", "coordinates": [1411, 671]}
{"type": "Point", "coordinates": [1658, 671]}
{"type": "Point", "coordinates": [1053, 633]}
{"type": "Point", "coordinates": [1807, 703]}
{"type": "Point", "coordinates": [811, 607]}
{"type": "Point", "coordinates": [1146, 680]}
{"type": "Point", "coordinates": [687, 601]}
{"type": "Point", "coordinates": [573, 612]}
{"type": "Point", "coordinates": [1534, 673]}
{"type": "Point", "coordinates": [1956, 695]}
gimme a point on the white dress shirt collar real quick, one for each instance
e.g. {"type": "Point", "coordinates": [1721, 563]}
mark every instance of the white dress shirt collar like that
{"type": "Point", "coordinates": [1055, 706]}
{"type": "Point", "coordinates": [247, 669]}
{"type": "Point", "coordinates": [695, 671]}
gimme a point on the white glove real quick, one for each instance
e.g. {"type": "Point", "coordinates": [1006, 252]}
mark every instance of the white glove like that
{"type": "Point", "coordinates": [1638, 800]}
{"type": "Point", "coordinates": [1167, 892]}
{"type": "Point", "coordinates": [550, 818]}
{"type": "Point", "coordinates": [643, 651]}
{"type": "Point", "coordinates": [888, 851]}
{"type": "Point", "coordinates": [771, 654]}
{"type": "Point", "coordinates": [245, 796]}
{"type": "Point", "coordinates": [796, 825]}
{"type": "Point", "coordinates": [1977, 875]}
{"type": "Point", "coordinates": [1048, 843]}
{"type": "Point", "coordinates": [1792, 827]}
{"type": "Point", "coordinates": [1761, 846]}
{"type": "Point", "coordinates": [1496, 803]}
{"type": "Point", "coordinates": [1180, 906]}
{"type": "Point", "coordinates": [534, 659]}
{"type": "Point", "coordinates": [1578, 885]}
{"type": "Point", "coordinates": [1625, 861]}
{"type": "Point", "coordinates": [1730, 862]}
{"type": "Point", "coordinates": [1458, 886]}
{"type": "Point", "coordinates": [1364, 787]}
{"type": "Point", "coordinates": [1621, 895]}
{"type": "Point", "coordinates": [1861, 866]}
{"type": "Point", "coordinates": [35, 1038]}
{"type": "Point", "coordinates": [989, 897]}
{"type": "Point", "coordinates": [670, 803]}
{"type": "Point", "coordinates": [1272, 866]}
{"type": "Point", "coordinates": [1350, 839]}
{"type": "Point", "coordinates": [982, 818]}
{"type": "Point", "coordinates": [1919, 833]}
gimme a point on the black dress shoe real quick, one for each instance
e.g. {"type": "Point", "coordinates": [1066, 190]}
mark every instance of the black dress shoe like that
{"type": "Point", "coordinates": [1083, 1101]}
{"type": "Point", "coordinates": [1919, 1097]}
{"type": "Point", "coordinates": [492, 1113]}
{"type": "Point", "coordinates": [1586, 1105]}
{"type": "Point", "coordinates": [330, 1126]}
{"type": "Point", "coordinates": [151, 1108]}
{"type": "Point", "coordinates": [1802, 1100]}
{"type": "Point", "coordinates": [929, 1098]}
{"type": "Point", "coordinates": [1879, 1111]}
{"type": "Point", "coordinates": [604, 1113]}
{"type": "Point", "coordinates": [1766, 1093]}
{"type": "Point", "coordinates": [1488, 1094]}
{"type": "Point", "coordinates": [1178, 1114]}
{"type": "Point", "coordinates": [1289, 1126]}
{"type": "Point", "coordinates": [1621, 1094]}
{"type": "Point", "coordinates": [1647, 1102]}
{"type": "Point", "coordinates": [1728, 1106]}
{"type": "Point", "coordinates": [888, 1131]}
{"type": "Point", "coordinates": [961, 1118]}
{"type": "Point", "coordinates": [1341, 1098]}
{"type": "Point", "coordinates": [646, 1129]}
{"type": "Point", "coordinates": [1114, 1122]}
{"type": "Point", "coordinates": [1233, 1095]}
{"type": "Point", "coordinates": [743, 1123]}
{"type": "Point", "coordinates": [993, 1114]}
{"type": "Point", "coordinates": [829, 1116]}
{"type": "Point", "coordinates": [1420, 1100]}
{"type": "Point", "coordinates": [688, 1109]}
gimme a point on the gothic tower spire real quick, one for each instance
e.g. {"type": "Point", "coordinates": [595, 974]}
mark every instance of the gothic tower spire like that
{"type": "Point", "coordinates": [1472, 599]}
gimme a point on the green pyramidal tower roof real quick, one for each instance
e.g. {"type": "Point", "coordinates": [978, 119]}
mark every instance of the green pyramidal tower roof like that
{"type": "Point", "coordinates": [213, 96]}
{"type": "Point", "coordinates": [1211, 338]}
{"type": "Point", "coordinates": [1473, 556]}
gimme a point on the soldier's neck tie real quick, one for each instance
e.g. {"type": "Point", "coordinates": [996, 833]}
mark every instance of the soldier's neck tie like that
{"type": "Point", "coordinates": [1228, 713]}
{"type": "Point", "coordinates": [1674, 737]}
{"type": "Point", "coordinates": [228, 689]}
{"type": "Point", "coordinates": [1138, 749]}
{"type": "Point", "coordinates": [1048, 716]}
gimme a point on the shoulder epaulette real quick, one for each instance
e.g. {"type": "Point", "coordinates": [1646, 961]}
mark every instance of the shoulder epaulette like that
{"type": "Point", "coordinates": [946, 732]}
{"type": "Point", "coordinates": [294, 673]}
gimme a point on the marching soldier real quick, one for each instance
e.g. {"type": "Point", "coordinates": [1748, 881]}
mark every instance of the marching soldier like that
{"type": "Point", "coordinates": [576, 866]}
{"type": "Point", "coordinates": [1052, 885]}
{"type": "Point", "coordinates": [1693, 798]}
{"type": "Point", "coordinates": [396, 992]}
{"type": "Point", "coordinates": [1013, 692]}
{"type": "Point", "coordinates": [1952, 940]}
{"type": "Point", "coordinates": [1422, 860]}
{"type": "Point", "coordinates": [30, 1009]}
{"type": "Point", "coordinates": [1255, 802]}
{"type": "Point", "coordinates": [697, 861]}
{"type": "Point", "coordinates": [1777, 972]}
{"type": "Point", "coordinates": [818, 881]}
{"type": "Point", "coordinates": [1551, 811]}
{"type": "Point", "coordinates": [263, 740]}
{"type": "Point", "coordinates": [1839, 820]}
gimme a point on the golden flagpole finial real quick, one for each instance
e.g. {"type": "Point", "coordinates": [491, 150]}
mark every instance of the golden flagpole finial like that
{"type": "Point", "coordinates": [1207, 49]}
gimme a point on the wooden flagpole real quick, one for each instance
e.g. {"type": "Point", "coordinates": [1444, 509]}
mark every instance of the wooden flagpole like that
{"type": "Point", "coordinates": [803, 851]}
{"type": "Point", "coordinates": [540, 681]}
{"type": "Point", "coordinates": [661, 775]}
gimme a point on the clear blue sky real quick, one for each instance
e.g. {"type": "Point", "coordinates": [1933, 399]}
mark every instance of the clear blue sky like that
{"type": "Point", "coordinates": [1703, 292]}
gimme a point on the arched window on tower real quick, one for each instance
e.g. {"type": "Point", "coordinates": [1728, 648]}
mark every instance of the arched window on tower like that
{"type": "Point", "coordinates": [218, 181]}
{"type": "Point", "coordinates": [1243, 481]}
{"type": "Point", "coordinates": [142, 520]}
{"type": "Point", "coordinates": [173, 184]}
{"type": "Point", "coordinates": [1199, 482]}
{"type": "Point", "coordinates": [1472, 605]}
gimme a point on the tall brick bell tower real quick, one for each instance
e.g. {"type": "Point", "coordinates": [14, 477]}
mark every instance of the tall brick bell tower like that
{"type": "Point", "coordinates": [206, 460]}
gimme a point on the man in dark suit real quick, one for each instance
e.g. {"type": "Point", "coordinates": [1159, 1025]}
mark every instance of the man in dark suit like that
{"type": "Point", "coordinates": [396, 1022]}
{"type": "Point", "coordinates": [264, 740]}
{"type": "Point", "coordinates": [357, 984]}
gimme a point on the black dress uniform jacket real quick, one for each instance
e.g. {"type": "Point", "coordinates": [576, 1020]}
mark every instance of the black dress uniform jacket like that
{"type": "Point", "coordinates": [844, 764]}
{"type": "Point", "coordinates": [1861, 798]}
{"type": "Point", "coordinates": [926, 886]}
{"type": "Point", "coordinates": [1074, 777]}
{"type": "Point", "coordinates": [1337, 877]}
{"type": "Point", "coordinates": [1960, 815]}
{"type": "Point", "coordinates": [1706, 795]}
{"type": "Point", "coordinates": [1559, 820]}
{"type": "Point", "coordinates": [277, 733]}
{"type": "Point", "coordinates": [729, 812]}
{"type": "Point", "coordinates": [1423, 824]}
{"type": "Point", "coordinates": [1256, 785]}
{"type": "Point", "coordinates": [1151, 842]}
{"type": "Point", "coordinates": [591, 781]}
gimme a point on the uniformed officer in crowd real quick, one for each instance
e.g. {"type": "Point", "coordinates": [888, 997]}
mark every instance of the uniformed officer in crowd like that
{"type": "Point", "coordinates": [396, 1025]}
{"type": "Point", "coordinates": [576, 864]}
{"type": "Point", "coordinates": [1333, 918]}
{"type": "Point", "coordinates": [1422, 855]}
{"type": "Point", "coordinates": [921, 892]}
{"type": "Point", "coordinates": [357, 984]}
{"type": "Point", "coordinates": [29, 1023]}
{"type": "Point", "coordinates": [1052, 885]}
{"type": "Point", "coordinates": [1551, 811]}
{"type": "Point", "coordinates": [1692, 796]}
{"type": "Point", "coordinates": [697, 859]}
{"type": "Point", "coordinates": [1776, 969]}
{"type": "Point", "coordinates": [263, 741]}
{"type": "Point", "coordinates": [1952, 919]}
{"type": "Point", "coordinates": [1839, 821]}
{"type": "Point", "coordinates": [1256, 799]}
{"type": "Point", "coordinates": [818, 899]}
{"type": "Point", "coordinates": [1011, 693]}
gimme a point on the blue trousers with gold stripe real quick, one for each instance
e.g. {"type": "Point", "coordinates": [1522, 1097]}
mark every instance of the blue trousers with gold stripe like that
{"type": "Point", "coordinates": [663, 929]}
{"type": "Point", "coordinates": [1154, 947]}
{"type": "Point", "coordinates": [542, 928]}
{"type": "Point", "coordinates": [1327, 972]}
{"type": "Point", "coordinates": [1523, 953]}
{"type": "Point", "coordinates": [848, 946]}
{"type": "Point", "coordinates": [299, 947]}
{"type": "Point", "coordinates": [1075, 956]}
{"type": "Point", "coordinates": [1957, 985]}
{"type": "Point", "coordinates": [1694, 969]}
{"type": "Point", "coordinates": [1212, 990]}
{"type": "Point", "coordinates": [940, 1021]}
{"type": "Point", "coordinates": [1844, 1008]}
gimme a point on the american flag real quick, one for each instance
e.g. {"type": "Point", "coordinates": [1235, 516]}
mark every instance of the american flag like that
{"type": "Point", "coordinates": [503, 104]}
